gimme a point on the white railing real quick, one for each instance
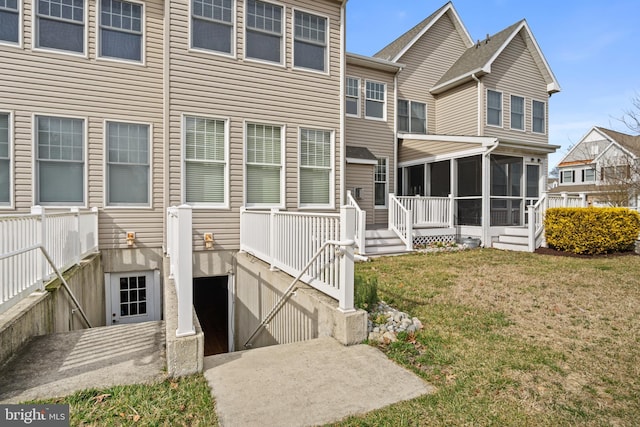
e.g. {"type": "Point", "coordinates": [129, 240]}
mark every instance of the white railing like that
{"type": "Point", "coordinates": [361, 223]}
{"type": "Point", "coordinates": [564, 200]}
{"type": "Point", "coordinates": [180, 254]}
{"type": "Point", "coordinates": [401, 221]}
{"type": "Point", "coordinates": [66, 236]}
{"type": "Point", "coordinates": [429, 211]}
{"type": "Point", "coordinates": [289, 240]}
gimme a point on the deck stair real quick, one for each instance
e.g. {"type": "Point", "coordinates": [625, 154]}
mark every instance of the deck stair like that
{"type": "Point", "coordinates": [513, 239]}
{"type": "Point", "coordinates": [384, 242]}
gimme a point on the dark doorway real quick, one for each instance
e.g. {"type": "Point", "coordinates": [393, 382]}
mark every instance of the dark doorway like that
{"type": "Point", "coordinates": [211, 301]}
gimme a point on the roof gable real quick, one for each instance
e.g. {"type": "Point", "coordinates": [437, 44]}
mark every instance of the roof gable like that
{"type": "Point", "coordinates": [478, 59]}
{"type": "Point", "coordinates": [397, 48]}
{"type": "Point", "coordinates": [605, 139]}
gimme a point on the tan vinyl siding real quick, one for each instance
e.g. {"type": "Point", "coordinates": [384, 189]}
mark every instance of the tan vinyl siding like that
{"type": "Point", "coordinates": [243, 91]}
{"type": "Point", "coordinates": [515, 72]}
{"type": "Point", "coordinates": [457, 111]}
{"type": "Point", "coordinates": [426, 62]}
{"type": "Point", "coordinates": [376, 135]}
{"type": "Point", "coordinates": [412, 150]}
{"type": "Point", "coordinates": [362, 176]}
{"type": "Point", "coordinates": [58, 84]}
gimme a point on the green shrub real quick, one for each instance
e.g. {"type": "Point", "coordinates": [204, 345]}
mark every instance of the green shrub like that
{"type": "Point", "coordinates": [591, 230]}
{"type": "Point", "coordinates": [365, 292]}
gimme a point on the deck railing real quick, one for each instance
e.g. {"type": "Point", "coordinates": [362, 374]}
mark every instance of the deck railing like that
{"type": "Point", "coordinates": [429, 211]}
{"type": "Point", "coordinates": [180, 254]}
{"type": "Point", "coordinates": [536, 214]}
{"type": "Point", "coordinates": [67, 237]}
{"type": "Point", "coordinates": [564, 200]}
{"type": "Point", "coordinates": [401, 221]}
{"type": "Point", "coordinates": [288, 240]}
{"type": "Point", "coordinates": [361, 223]}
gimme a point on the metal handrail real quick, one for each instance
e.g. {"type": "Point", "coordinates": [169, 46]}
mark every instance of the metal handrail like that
{"type": "Point", "coordinates": [289, 290]}
{"type": "Point", "coordinates": [55, 269]}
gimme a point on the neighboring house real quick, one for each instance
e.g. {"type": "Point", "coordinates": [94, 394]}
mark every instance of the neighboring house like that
{"type": "Point", "coordinates": [605, 166]}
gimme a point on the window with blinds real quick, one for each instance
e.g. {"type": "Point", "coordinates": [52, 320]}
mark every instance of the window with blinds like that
{"type": "Point", "coordinates": [5, 175]}
{"type": "Point", "coordinates": [315, 167]}
{"type": "Point", "coordinates": [205, 161]}
{"type": "Point", "coordinates": [263, 157]}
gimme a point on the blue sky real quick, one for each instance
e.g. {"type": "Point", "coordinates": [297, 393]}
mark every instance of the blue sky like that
{"type": "Point", "coordinates": [591, 46]}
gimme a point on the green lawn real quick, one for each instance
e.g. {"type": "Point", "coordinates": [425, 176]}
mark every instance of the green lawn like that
{"type": "Point", "coordinates": [509, 339]}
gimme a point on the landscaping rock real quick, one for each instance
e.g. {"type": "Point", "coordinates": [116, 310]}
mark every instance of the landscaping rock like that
{"type": "Point", "coordinates": [395, 321]}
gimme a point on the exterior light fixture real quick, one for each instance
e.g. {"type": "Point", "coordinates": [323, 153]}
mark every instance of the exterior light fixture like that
{"type": "Point", "coordinates": [131, 236]}
{"type": "Point", "coordinates": [208, 240]}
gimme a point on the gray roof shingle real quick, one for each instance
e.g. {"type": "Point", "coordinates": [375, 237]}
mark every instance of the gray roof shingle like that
{"type": "Point", "coordinates": [630, 142]}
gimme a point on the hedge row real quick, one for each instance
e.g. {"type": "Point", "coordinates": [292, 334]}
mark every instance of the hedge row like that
{"type": "Point", "coordinates": [591, 231]}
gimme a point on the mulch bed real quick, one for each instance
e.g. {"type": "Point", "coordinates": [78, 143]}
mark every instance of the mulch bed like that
{"type": "Point", "coordinates": [555, 252]}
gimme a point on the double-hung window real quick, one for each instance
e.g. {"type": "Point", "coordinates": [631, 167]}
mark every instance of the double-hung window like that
{"type": "Point", "coordinates": [60, 25]}
{"type": "Point", "coordinates": [381, 180]}
{"type": "Point", "coordinates": [539, 117]}
{"type": "Point", "coordinates": [9, 21]}
{"type": "Point", "coordinates": [375, 100]}
{"type": "Point", "coordinates": [310, 41]}
{"type": "Point", "coordinates": [412, 117]}
{"type": "Point", "coordinates": [263, 158]}
{"type": "Point", "coordinates": [352, 103]}
{"type": "Point", "coordinates": [588, 175]}
{"type": "Point", "coordinates": [315, 167]}
{"type": "Point", "coordinates": [494, 108]}
{"type": "Point", "coordinates": [264, 27]}
{"type": "Point", "coordinates": [127, 164]}
{"type": "Point", "coordinates": [60, 161]}
{"type": "Point", "coordinates": [120, 30]}
{"type": "Point", "coordinates": [5, 161]}
{"type": "Point", "coordinates": [517, 112]}
{"type": "Point", "coordinates": [212, 25]}
{"type": "Point", "coordinates": [205, 161]}
{"type": "Point", "coordinates": [567, 177]}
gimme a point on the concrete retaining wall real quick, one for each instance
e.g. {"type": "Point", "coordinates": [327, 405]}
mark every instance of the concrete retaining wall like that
{"type": "Point", "coordinates": [307, 314]}
{"type": "Point", "coordinates": [52, 311]}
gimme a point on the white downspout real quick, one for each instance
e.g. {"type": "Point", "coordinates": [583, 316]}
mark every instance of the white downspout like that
{"type": "Point", "coordinates": [474, 77]}
{"type": "Point", "coordinates": [166, 83]}
{"type": "Point", "coordinates": [343, 76]}
{"type": "Point", "coordinates": [395, 133]}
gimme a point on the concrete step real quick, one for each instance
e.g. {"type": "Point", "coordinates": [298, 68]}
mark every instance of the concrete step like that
{"type": "Point", "coordinates": [380, 234]}
{"type": "Point", "coordinates": [386, 250]}
{"type": "Point", "coordinates": [511, 247]}
{"type": "Point", "coordinates": [516, 231]}
{"type": "Point", "coordinates": [384, 242]}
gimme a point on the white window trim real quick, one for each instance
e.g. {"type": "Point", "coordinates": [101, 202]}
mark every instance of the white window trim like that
{"type": "Point", "coordinates": [283, 165]}
{"type": "Point", "coordinates": [34, 165]}
{"type": "Point", "coordinates": [283, 37]}
{"type": "Point", "coordinates": [214, 52]}
{"type": "Point", "coordinates": [386, 191]}
{"type": "Point", "coordinates": [359, 97]}
{"type": "Point", "coordinates": [292, 35]}
{"type": "Point", "coordinates": [143, 50]}
{"type": "Point", "coordinates": [595, 175]}
{"type": "Point", "coordinates": [35, 35]}
{"type": "Point", "coordinates": [20, 25]}
{"type": "Point", "coordinates": [106, 167]}
{"type": "Point", "coordinates": [524, 113]}
{"type": "Point", "coordinates": [573, 176]}
{"type": "Point", "coordinates": [501, 126]}
{"type": "Point", "coordinates": [332, 174]}
{"type": "Point", "coordinates": [12, 166]}
{"type": "Point", "coordinates": [545, 117]}
{"type": "Point", "coordinates": [384, 106]}
{"type": "Point", "coordinates": [183, 180]}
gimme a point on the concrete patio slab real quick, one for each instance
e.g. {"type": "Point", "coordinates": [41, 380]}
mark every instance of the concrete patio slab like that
{"type": "Point", "coordinates": [61, 364]}
{"type": "Point", "coordinates": [306, 383]}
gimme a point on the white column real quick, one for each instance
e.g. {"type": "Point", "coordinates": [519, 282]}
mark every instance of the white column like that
{"type": "Point", "coordinates": [184, 274]}
{"type": "Point", "coordinates": [76, 242]}
{"type": "Point", "coordinates": [41, 236]}
{"type": "Point", "coordinates": [347, 232]}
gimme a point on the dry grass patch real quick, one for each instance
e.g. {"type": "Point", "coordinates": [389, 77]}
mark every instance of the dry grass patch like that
{"type": "Point", "coordinates": [516, 338]}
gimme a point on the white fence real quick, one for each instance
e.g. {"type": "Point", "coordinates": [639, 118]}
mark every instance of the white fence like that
{"type": "Point", "coordinates": [361, 223]}
{"type": "Point", "coordinates": [289, 240]}
{"type": "Point", "coordinates": [67, 236]}
{"type": "Point", "coordinates": [564, 200]}
{"type": "Point", "coordinates": [429, 211]}
{"type": "Point", "coordinates": [180, 254]}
